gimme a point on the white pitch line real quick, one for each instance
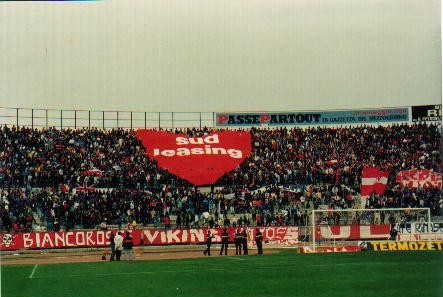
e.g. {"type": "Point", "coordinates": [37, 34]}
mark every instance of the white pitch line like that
{"type": "Point", "coordinates": [136, 272]}
{"type": "Point", "coordinates": [236, 258]}
{"type": "Point", "coordinates": [33, 271]}
{"type": "Point", "coordinates": [219, 269]}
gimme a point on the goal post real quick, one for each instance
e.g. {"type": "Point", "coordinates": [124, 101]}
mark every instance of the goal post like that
{"type": "Point", "coordinates": [333, 226]}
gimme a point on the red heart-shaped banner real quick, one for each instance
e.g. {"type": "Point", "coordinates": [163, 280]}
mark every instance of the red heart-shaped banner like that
{"type": "Point", "coordinates": [199, 160]}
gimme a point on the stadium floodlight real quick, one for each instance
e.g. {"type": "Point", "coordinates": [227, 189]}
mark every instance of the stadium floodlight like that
{"type": "Point", "coordinates": [333, 226]}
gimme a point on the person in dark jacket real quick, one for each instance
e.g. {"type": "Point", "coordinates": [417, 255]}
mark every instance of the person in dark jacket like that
{"type": "Point", "coordinates": [237, 242]}
{"type": "Point", "coordinates": [111, 239]}
{"type": "Point", "coordinates": [258, 241]}
{"type": "Point", "coordinates": [128, 242]}
{"type": "Point", "coordinates": [393, 234]}
{"type": "Point", "coordinates": [225, 241]}
{"type": "Point", "coordinates": [245, 242]}
{"type": "Point", "coordinates": [209, 237]}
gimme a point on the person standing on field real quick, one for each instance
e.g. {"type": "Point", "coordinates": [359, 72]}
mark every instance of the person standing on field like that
{"type": "Point", "coordinates": [237, 242]}
{"type": "Point", "coordinates": [245, 242]}
{"type": "Point", "coordinates": [258, 241]}
{"type": "Point", "coordinates": [118, 240]}
{"type": "Point", "coordinates": [225, 241]}
{"type": "Point", "coordinates": [209, 237]}
{"type": "Point", "coordinates": [111, 239]}
{"type": "Point", "coordinates": [127, 246]}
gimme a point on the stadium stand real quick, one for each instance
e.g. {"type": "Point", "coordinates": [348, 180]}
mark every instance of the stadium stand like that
{"type": "Point", "coordinates": [289, 172]}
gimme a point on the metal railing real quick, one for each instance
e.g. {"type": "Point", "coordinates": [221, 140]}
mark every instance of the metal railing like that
{"type": "Point", "coordinates": [102, 119]}
{"type": "Point", "coordinates": [64, 118]}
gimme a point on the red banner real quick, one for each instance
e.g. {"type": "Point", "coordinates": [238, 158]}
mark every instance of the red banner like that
{"type": "Point", "coordinates": [419, 178]}
{"type": "Point", "coordinates": [77, 239]}
{"type": "Point", "coordinates": [352, 232]}
{"type": "Point", "coordinates": [199, 160]}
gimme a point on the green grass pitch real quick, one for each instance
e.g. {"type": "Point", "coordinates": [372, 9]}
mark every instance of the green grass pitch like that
{"type": "Point", "coordinates": [402, 274]}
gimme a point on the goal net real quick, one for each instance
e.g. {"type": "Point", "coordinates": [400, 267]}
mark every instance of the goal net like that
{"type": "Point", "coordinates": [349, 226]}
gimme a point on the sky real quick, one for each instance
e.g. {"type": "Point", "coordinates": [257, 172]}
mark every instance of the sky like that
{"type": "Point", "coordinates": [220, 55]}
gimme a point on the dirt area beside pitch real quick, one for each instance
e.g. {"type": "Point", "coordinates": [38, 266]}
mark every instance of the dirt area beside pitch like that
{"type": "Point", "coordinates": [146, 253]}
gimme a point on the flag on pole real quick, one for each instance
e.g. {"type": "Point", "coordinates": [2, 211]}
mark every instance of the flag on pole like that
{"type": "Point", "coordinates": [373, 181]}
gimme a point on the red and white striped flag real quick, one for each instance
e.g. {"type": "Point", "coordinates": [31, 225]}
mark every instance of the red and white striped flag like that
{"type": "Point", "coordinates": [373, 180]}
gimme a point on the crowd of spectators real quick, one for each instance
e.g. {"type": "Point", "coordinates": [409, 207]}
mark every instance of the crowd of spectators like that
{"type": "Point", "coordinates": [288, 172]}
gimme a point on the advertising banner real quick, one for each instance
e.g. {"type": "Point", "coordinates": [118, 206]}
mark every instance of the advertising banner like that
{"type": "Point", "coordinates": [426, 113]}
{"type": "Point", "coordinates": [419, 231]}
{"type": "Point", "coordinates": [330, 249]}
{"type": "Point", "coordinates": [95, 238]}
{"type": "Point", "coordinates": [352, 232]}
{"type": "Point", "coordinates": [199, 160]}
{"type": "Point", "coordinates": [313, 118]}
{"type": "Point", "coordinates": [384, 246]}
{"type": "Point", "coordinates": [416, 178]}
